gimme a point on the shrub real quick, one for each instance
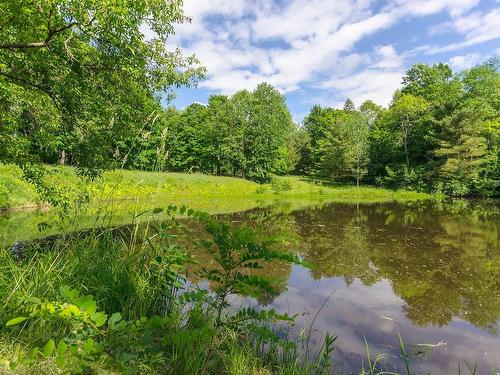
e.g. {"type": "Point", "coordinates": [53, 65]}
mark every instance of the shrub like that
{"type": "Point", "coordinates": [4, 198]}
{"type": "Point", "coordinates": [279, 185]}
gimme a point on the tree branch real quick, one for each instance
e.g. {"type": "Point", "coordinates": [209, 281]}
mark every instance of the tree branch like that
{"type": "Point", "coordinates": [41, 44]}
{"type": "Point", "coordinates": [24, 82]}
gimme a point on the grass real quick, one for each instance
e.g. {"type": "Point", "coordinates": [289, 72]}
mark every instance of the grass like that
{"type": "Point", "coordinates": [122, 185]}
{"type": "Point", "coordinates": [139, 275]}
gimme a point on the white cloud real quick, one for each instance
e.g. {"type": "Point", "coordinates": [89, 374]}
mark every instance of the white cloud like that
{"type": "Point", "coordinates": [462, 62]}
{"type": "Point", "coordinates": [427, 7]}
{"type": "Point", "coordinates": [476, 28]}
{"type": "Point", "coordinates": [294, 44]}
{"type": "Point", "coordinates": [377, 81]}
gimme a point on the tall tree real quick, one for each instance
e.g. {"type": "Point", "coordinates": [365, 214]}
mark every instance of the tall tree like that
{"type": "Point", "coordinates": [371, 110]}
{"type": "Point", "coordinates": [76, 76]}
{"type": "Point", "coordinates": [318, 125]}
{"type": "Point", "coordinates": [349, 106]}
{"type": "Point", "coordinates": [464, 149]}
{"type": "Point", "coordinates": [268, 129]}
{"type": "Point", "coordinates": [348, 148]}
{"type": "Point", "coordinates": [407, 110]}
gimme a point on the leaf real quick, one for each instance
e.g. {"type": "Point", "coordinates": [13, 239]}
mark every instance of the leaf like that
{"type": "Point", "coordinates": [15, 321]}
{"type": "Point", "coordinates": [182, 210]}
{"type": "Point", "coordinates": [69, 293]}
{"type": "Point", "coordinates": [157, 210]}
{"type": "Point", "coordinates": [60, 361]}
{"type": "Point", "coordinates": [89, 345]}
{"type": "Point", "coordinates": [115, 318]}
{"type": "Point", "coordinates": [87, 304]}
{"type": "Point", "coordinates": [49, 347]}
{"type": "Point", "coordinates": [61, 348]}
{"type": "Point", "coordinates": [99, 319]}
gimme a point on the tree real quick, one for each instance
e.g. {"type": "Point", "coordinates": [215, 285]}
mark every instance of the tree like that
{"type": "Point", "coordinates": [291, 153]}
{"type": "Point", "coordinates": [437, 85]}
{"type": "Point", "coordinates": [371, 110]}
{"type": "Point", "coordinates": [318, 125]}
{"type": "Point", "coordinates": [407, 110]}
{"type": "Point", "coordinates": [359, 146]}
{"type": "Point", "coordinates": [349, 106]}
{"type": "Point", "coordinates": [78, 77]}
{"type": "Point", "coordinates": [464, 150]}
{"type": "Point", "coordinates": [267, 131]}
{"type": "Point", "coordinates": [348, 148]}
{"type": "Point", "coordinates": [190, 148]}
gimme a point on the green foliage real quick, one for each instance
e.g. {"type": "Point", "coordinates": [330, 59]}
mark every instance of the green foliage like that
{"type": "Point", "coordinates": [440, 134]}
{"type": "Point", "coordinates": [247, 135]}
{"type": "Point", "coordinates": [347, 148]}
{"type": "Point", "coordinates": [77, 78]}
{"type": "Point", "coordinates": [280, 185]}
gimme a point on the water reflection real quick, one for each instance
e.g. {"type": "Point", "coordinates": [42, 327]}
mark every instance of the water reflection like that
{"type": "Point", "coordinates": [431, 269]}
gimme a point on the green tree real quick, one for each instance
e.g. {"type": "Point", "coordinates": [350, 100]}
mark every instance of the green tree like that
{"type": "Point", "coordinates": [371, 110]}
{"type": "Point", "coordinates": [349, 106]}
{"type": "Point", "coordinates": [267, 131]}
{"type": "Point", "coordinates": [407, 110]}
{"type": "Point", "coordinates": [464, 149]}
{"type": "Point", "coordinates": [77, 77]}
{"type": "Point", "coordinates": [348, 146]}
{"type": "Point", "coordinates": [318, 125]}
{"type": "Point", "coordinates": [190, 148]}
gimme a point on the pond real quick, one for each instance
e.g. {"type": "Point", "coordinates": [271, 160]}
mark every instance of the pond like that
{"type": "Point", "coordinates": [430, 270]}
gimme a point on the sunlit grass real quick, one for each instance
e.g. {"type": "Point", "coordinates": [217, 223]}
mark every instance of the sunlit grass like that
{"type": "Point", "coordinates": [123, 185]}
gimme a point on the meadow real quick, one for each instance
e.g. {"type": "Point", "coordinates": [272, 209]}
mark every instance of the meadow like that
{"type": "Point", "coordinates": [123, 185]}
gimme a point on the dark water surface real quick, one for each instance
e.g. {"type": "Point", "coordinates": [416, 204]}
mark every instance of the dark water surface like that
{"type": "Point", "coordinates": [430, 270]}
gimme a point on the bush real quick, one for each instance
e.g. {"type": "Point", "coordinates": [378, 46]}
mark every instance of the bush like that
{"type": "Point", "coordinates": [279, 185]}
{"type": "Point", "coordinates": [4, 198]}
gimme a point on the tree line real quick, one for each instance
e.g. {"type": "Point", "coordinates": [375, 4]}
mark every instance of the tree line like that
{"type": "Point", "coordinates": [245, 135]}
{"type": "Point", "coordinates": [440, 133]}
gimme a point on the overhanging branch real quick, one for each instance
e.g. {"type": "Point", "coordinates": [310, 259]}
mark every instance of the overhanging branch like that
{"type": "Point", "coordinates": [24, 82]}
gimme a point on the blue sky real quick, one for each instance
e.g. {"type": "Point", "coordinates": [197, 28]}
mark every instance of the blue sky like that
{"type": "Point", "coordinates": [323, 51]}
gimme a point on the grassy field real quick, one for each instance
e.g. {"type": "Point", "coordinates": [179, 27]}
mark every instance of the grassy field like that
{"type": "Point", "coordinates": [121, 194]}
{"type": "Point", "coordinates": [123, 185]}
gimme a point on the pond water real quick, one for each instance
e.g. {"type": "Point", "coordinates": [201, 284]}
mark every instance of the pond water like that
{"type": "Point", "coordinates": [428, 270]}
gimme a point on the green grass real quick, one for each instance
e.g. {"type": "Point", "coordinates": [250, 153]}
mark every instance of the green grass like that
{"type": "Point", "coordinates": [14, 191]}
{"type": "Point", "coordinates": [121, 194]}
{"type": "Point", "coordinates": [190, 189]}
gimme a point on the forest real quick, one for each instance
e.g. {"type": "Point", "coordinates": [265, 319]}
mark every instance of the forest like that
{"type": "Point", "coordinates": [440, 134]}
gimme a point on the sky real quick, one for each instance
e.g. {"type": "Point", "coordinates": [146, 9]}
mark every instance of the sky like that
{"type": "Point", "coordinates": [323, 51]}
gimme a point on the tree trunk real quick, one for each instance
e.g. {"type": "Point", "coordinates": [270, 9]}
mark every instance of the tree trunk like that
{"type": "Point", "coordinates": [406, 151]}
{"type": "Point", "coordinates": [405, 127]}
{"type": "Point", "coordinates": [62, 157]}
